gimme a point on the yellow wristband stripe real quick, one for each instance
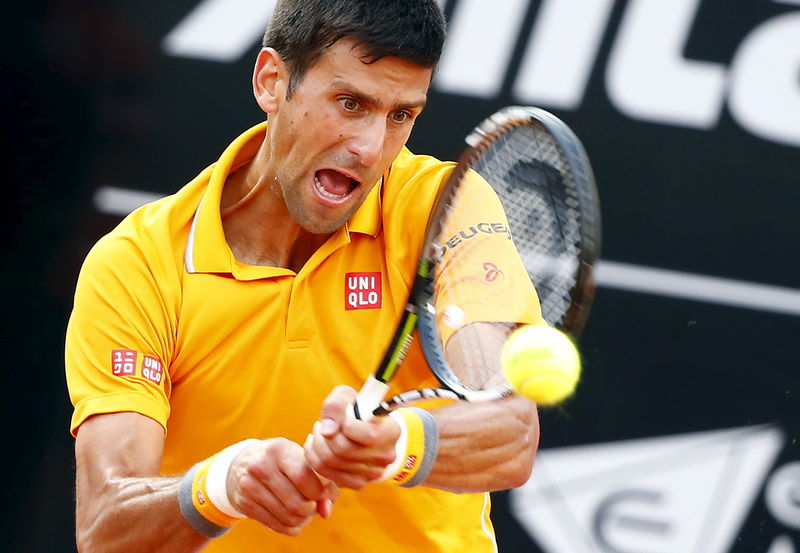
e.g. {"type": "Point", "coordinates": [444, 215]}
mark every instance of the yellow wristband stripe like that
{"type": "Point", "coordinates": [412, 458]}
{"type": "Point", "coordinates": [430, 432]}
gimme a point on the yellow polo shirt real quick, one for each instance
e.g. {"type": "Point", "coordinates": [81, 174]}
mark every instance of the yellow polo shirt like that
{"type": "Point", "coordinates": [167, 323]}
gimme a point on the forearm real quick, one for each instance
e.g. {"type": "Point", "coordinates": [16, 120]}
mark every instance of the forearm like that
{"type": "Point", "coordinates": [122, 505]}
{"type": "Point", "coordinates": [485, 446]}
{"type": "Point", "coordinates": [135, 514]}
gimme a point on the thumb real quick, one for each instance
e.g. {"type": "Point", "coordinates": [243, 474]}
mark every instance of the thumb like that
{"type": "Point", "coordinates": [334, 409]}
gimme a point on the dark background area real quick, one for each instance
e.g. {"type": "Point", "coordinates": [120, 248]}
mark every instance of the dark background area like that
{"type": "Point", "coordinates": [90, 99]}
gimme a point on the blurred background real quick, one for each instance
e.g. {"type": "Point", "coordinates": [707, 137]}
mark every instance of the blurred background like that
{"type": "Point", "coordinates": [683, 435]}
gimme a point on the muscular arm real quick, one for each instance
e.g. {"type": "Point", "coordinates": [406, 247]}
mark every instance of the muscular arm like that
{"type": "Point", "coordinates": [485, 446]}
{"type": "Point", "coordinates": [122, 506]}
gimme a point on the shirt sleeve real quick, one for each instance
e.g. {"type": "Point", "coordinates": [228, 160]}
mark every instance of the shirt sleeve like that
{"type": "Point", "coordinates": [119, 339]}
{"type": "Point", "coordinates": [481, 277]}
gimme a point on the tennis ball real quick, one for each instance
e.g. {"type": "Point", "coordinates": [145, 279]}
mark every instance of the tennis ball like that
{"type": "Point", "coordinates": [541, 363]}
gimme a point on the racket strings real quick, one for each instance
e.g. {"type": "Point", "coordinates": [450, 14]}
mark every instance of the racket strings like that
{"type": "Point", "coordinates": [533, 181]}
{"type": "Point", "coordinates": [538, 191]}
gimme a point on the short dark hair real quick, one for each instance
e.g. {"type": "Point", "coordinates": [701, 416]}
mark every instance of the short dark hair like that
{"type": "Point", "coordinates": [302, 30]}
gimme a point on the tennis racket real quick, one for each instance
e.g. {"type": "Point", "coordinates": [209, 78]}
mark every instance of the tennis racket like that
{"type": "Point", "coordinates": [538, 169]}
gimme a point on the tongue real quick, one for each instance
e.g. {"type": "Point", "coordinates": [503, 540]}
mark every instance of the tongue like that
{"type": "Point", "coordinates": [334, 182]}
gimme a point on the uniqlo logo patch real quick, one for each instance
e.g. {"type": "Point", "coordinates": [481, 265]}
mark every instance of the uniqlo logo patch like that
{"type": "Point", "coordinates": [362, 291]}
{"type": "Point", "coordinates": [123, 362]}
{"type": "Point", "coordinates": [152, 369]}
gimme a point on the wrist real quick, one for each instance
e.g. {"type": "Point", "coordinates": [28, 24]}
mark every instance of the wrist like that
{"type": "Point", "coordinates": [416, 447]}
{"type": "Point", "coordinates": [203, 493]}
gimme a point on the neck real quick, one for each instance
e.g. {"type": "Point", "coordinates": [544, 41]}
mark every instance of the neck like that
{"type": "Point", "coordinates": [257, 225]}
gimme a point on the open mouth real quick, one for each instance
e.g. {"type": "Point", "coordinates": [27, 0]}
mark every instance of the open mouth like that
{"type": "Point", "coordinates": [334, 185]}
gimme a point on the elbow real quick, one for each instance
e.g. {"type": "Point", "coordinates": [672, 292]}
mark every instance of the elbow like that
{"type": "Point", "coordinates": [83, 540]}
{"type": "Point", "coordinates": [86, 537]}
{"type": "Point", "coordinates": [88, 530]}
{"type": "Point", "coordinates": [521, 467]}
{"type": "Point", "coordinates": [520, 472]}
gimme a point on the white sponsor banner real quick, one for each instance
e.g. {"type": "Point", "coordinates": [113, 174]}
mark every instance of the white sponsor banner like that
{"type": "Point", "coordinates": [647, 74]}
{"type": "Point", "coordinates": [676, 494]}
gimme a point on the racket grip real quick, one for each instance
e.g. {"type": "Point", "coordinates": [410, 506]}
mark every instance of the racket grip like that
{"type": "Point", "coordinates": [369, 397]}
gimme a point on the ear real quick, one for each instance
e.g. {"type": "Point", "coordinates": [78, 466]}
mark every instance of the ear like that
{"type": "Point", "coordinates": [270, 80]}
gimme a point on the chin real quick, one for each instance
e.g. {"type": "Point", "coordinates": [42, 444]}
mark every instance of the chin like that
{"type": "Point", "coordinates": [323, 226]}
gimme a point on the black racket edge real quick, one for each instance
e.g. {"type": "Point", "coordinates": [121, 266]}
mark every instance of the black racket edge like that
{"type": "Point", "coordinates": [573, 152]}
{"type": "Point", "coordinates": [582, 294]}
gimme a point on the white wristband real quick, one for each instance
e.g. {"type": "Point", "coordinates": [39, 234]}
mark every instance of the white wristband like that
{"type": "Point", "coordinates": [400, 448]}
{"type": "Point", "coordinates": [217, 478]}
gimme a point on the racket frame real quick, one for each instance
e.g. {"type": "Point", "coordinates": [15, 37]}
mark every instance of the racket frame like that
{"type": "Point", "coordinates": [419, 312]}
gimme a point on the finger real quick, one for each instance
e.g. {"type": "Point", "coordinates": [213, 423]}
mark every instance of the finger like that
{"type": "Point", "coordinates": [379, 431]}
{"type": "Point", "coordinates": [274, 476]}
{"type": "Point", "coordinates": [266, 517]}
{"type": "Point", "coordinates": [334, 407]}
{"type": "Point", "coordinates": [350, 479]}
{"type": "Point", "coordinates": [270, 504]}
{"type": "Point", "coordinates": [307, 481]}
{"type": "Point", "coordinates": [325, 508]}
{"type": "Point", "coordinates": [338, 451]}
{"type": "Point", "coordinates": [344, 470]}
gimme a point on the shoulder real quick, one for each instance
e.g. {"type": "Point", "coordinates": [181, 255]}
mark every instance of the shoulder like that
{"type": "Point", "coordinates": [413, 181]}
{"type": "Point", "coordinates": [152, 236]}
{"type": "Point", "coordinates": [407, 197]}
{"type": "Point", "coordinates": [410, 168]}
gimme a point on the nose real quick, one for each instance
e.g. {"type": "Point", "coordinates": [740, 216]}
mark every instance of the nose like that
{"type": "Point", "coordinates": [368, 141]}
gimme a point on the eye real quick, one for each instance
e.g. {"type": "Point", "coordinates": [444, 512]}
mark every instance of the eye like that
{"type": "Point", "coordinates": [349, 104]}
{"type": "Point", "coordinates": [401, 116]}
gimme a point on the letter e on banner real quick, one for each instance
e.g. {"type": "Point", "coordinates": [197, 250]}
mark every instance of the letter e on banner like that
{"type": "Point", "coordinates": [362, 291]}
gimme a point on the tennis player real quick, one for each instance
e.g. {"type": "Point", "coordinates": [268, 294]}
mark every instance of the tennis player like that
{"type": "Point", "coordinates": [218, 334]}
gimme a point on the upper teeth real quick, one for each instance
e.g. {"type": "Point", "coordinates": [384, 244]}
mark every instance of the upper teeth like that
{"type": "Point", "coordinates": [325, 192]}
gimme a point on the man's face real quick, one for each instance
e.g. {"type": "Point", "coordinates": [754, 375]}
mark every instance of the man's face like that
{"type": "Point", "coordinates": [345, 123]}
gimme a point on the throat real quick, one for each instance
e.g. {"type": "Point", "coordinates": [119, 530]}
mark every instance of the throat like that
{"type": "Point", "coordinates": [267, 249]}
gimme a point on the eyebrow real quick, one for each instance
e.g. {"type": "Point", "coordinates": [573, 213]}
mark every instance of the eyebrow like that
{"type": "Point", "coordinates": [365, 98]}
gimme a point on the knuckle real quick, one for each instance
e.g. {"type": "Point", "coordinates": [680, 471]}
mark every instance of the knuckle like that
{"type": "Point", "coordinates": [292, 530]}
{"type": "Point", "coordinates": [335, 449]}
{"type": "Point", "coordinates": [386, 457]}
{"type": "Point", "coordinates": [359, 484]}
{"type": "Point", "coordinates": [248, 485]}
{"type": "Point", "coordinates": [290, 518]}
{"type": "Point", "coordinates": [374, 473]}
{"type": "Point", "coordinates": [245, 506]}
{"type": "Point", "coordinates": [299, 509]}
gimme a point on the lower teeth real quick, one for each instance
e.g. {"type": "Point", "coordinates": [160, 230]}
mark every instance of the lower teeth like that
{"type": "Point", "coordinates": [325, 192]}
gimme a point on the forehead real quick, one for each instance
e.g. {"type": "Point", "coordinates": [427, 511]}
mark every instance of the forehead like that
{"type": "Point", "coordinates": [345, 64]}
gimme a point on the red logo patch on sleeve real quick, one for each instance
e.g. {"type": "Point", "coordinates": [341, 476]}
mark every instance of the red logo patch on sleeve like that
{"type": "Point", "coordinates": [362, 291]}
{"type": "Point", "coordinates": [152, 369]}
{"type": "Point", "coordinates": [123, 362]}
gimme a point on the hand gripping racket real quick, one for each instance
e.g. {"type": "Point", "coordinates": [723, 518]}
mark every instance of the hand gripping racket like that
{"type": "Point", "coordinates": [538, 169]}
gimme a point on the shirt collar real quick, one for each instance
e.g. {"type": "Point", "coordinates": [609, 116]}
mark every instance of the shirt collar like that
{"type": "Point", "coordinates": [206, 248]}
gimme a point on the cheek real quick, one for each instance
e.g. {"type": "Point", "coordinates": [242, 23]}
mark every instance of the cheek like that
{"type": "Point", "coordinates": [394, 143]}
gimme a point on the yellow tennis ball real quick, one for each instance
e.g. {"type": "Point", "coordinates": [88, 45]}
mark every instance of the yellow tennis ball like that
{"type": "Point", "coordinates": [541, 363]}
